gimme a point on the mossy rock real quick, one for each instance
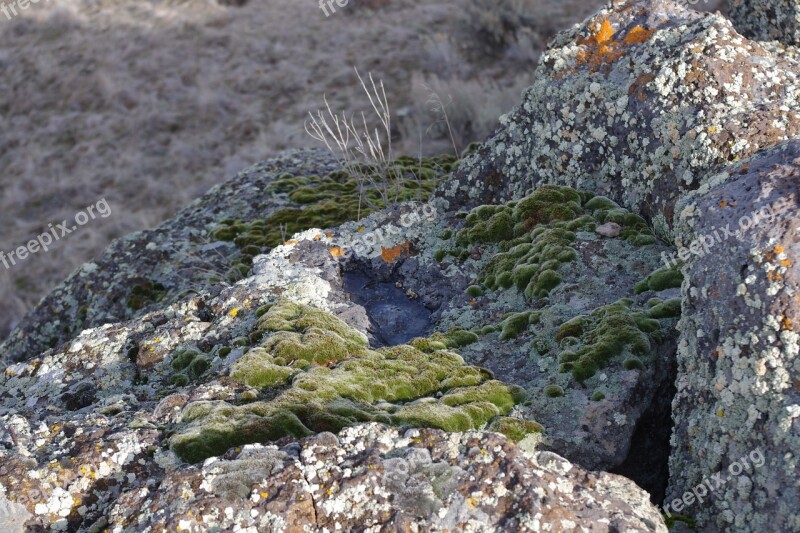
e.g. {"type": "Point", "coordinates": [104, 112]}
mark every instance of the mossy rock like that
{"type": "Point", "coordinates": [514, 428]}
{"type": "Point", "coordinates": [609, 332]}
{"type": "Point", "coordinates": [663, 278]}
{"type": "Point", "coordinates": [144, 294]}
{"type": "Point", "coordinates": [332, 379]}
{"type": "Point", "coordinates": [517, 323]}
{"type": "Point", "coordinates": [669, 309]}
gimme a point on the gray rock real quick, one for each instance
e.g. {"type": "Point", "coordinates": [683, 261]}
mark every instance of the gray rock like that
{"type": "Point", "coordinates": [767, 20]}
{"type": "Point", "coordinates": [737, 409]}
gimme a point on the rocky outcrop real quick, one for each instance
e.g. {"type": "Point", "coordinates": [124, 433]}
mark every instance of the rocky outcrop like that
{"type": "Point", "coordinates": [294, 351]}
{"type": "Point", "coordinates": [377, 477]}
{"type": "Point", "coordinates": [737, 409]}
{"type": "Point", "coordinates": [777, 20]}
{"type": "Point", "coordinates": [637, 103]}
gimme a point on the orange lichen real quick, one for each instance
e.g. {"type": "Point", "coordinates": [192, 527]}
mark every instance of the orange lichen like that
{"type": "Point", "coordinates": [337, 251]}
{"type": "Point", "coordinates": [638, 35]}
{"type": "Point", "coordinates": [601, 48]}
{"type": "Point", "coordinates": [778, 249]}
{"type": "Point", "coordinates": [390, 255]}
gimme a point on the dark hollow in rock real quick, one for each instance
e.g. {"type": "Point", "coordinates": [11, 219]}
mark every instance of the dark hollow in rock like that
{"type": "Point", "coordinates": [394, 317]}
{"type": "Point", "coordinates": [647, 462]}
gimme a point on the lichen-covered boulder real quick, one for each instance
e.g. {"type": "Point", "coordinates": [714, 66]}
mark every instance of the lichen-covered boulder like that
{"type": "Point", "coordinates": [767, 20]}
{"type": "Point", "coordinates": [214, 239]}
{"type": "Point", "coordinates": [373, 477]}
{"type": "Point", "coordinates": [736, 442]}
{"type": "Point", "coordinates": [637, 103]}
{"type": "Point", "coordinates": [528, 290]}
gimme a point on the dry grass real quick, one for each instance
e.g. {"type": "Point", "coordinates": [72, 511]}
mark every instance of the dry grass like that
{"type": "Point", "coordinates": [149, 103]}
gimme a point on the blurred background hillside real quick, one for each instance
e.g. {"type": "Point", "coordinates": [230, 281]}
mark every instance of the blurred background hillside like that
{"type": "Point", "coordinates": [149, 103]}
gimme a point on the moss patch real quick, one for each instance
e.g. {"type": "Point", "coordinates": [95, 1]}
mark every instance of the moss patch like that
{"type": "Point", "coordinates": [663, 278]}
{"type": "Point", "coordinates": [536, 236]}
{"type": "Point", "coordinates": [332, 379]}
{"type": "Point", "coordinates": [329, 201]}
{"type": "Point", "coordinates": [607, 333]}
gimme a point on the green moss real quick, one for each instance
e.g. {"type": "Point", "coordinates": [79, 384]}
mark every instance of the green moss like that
{"type": "Point", "coordinates": [609, 332]}
{"type": "Point", "coordinates": [598, 396]}
{"type": "Point", "coordinates": [145, 293]}
{"type": "Point", "coordinates": [633, 363]}
{"type": "Point", "coordinates": [601, 202]}
{"type": "Point", "coordinates": [190, 365]}
{"type": "Point", "coordinates": [439, 255]}
{"type": "Point", "coordinates": [553, 391]}
{"type": "Point", "coordinates": [474, 291]}
{"type": "Point", "coordinates": [516, 324]}
{"type": "Point", "coordinates": [514, 428]}
{"type": "Point", "coordinates": [669, 309]}
{"type": "Point", "coordinates": [325, 202]}
{"type": "Point", "coordinates": [402, 385]}
{"type": "Point", "coordinates": [663, 278]}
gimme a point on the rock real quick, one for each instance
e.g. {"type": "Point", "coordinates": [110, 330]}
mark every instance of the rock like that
{"type": "Point", "coordinates": [609, 229]}
{"type": "Point", "coordinates": [637, 103]}
{"type": "Point", "coordinates": [737, 414]}
{"type": "Point", "coordinates": [424, 479]}
{"type": "Point", "coordinates": [767, 20]}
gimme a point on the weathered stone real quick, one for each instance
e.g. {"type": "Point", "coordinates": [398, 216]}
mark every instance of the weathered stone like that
{"type": "Point", "coordinates": [767, 20]}
{"type": "Point", "coordinates": [637, 103]}
{"type": "Point", "coordinates": [737, 412]}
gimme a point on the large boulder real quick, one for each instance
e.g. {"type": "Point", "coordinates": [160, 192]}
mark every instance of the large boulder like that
{"type": "Point", "coordinates": [736, 441]}
{"type": "Point", "coordinates": [637, 103]}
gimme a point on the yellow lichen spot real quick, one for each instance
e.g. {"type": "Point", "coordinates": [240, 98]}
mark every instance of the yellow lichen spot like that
{"type": "Point", "coordinates": [233, 312]}
{"type": "Point", "coordinates": [605, 33]}
{"type": "Point", "coordinates": [720, 412]}
{"type": "Point", "coordinates": [712, 130]}
{"type": "Point", "coordinates": [390, 255]}
{"type": "Point", "coordinates": [361, 229]}
{"type": "Point", "coordinates": [337, 251]}
{"type": "Point", "coordinates": [265, 495]}
{"type": "Point", "coordinates": [291, 242]}
{"type": "Point", "coordinates": [638, 35]}
{"type": "Point", "coordinates": [472, 502]}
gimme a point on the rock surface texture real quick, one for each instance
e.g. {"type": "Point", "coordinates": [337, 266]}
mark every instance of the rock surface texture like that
{"type": "Point", "coordinates": [739, 371]}
{"type": "Point", "coordinates": [607, 287]}
{"type": "Point", "coordinates": [637, 103]}
{"type": "Point", "coordinates": [774, 20]}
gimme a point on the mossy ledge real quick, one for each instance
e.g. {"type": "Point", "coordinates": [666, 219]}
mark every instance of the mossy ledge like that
{"type": "Point", "coordinates": [329, 201]}
{"type": "Point", "coordinates": [331, 379]}
{"type": "Point", "coordinates": [536, 236]}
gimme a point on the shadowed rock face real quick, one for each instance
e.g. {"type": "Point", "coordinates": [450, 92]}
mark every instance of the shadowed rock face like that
{"type": "Point", "coordinates": [739, 372]}
{"type": "Point", "coordinates": [637, 103]}
{"type": "Point", "coordinates": [394, 317]}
